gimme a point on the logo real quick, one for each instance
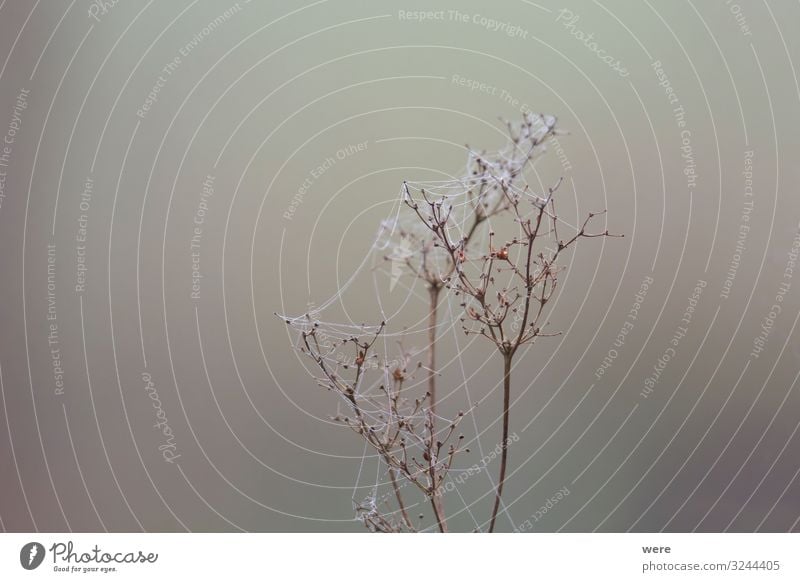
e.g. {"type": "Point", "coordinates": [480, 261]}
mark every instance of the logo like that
{"type": "Point", "coordinates": [31, 555]}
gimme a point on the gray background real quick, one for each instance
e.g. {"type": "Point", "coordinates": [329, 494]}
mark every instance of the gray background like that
{"type": "Point", "coordinates": [265, 98]}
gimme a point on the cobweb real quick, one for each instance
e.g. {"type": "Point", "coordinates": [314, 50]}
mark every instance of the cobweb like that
{"type": "Point", "coordinates": [403, 250]}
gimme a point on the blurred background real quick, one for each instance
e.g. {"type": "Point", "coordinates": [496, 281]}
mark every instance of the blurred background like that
{"type": "Point", "coordinates": [174, 174]}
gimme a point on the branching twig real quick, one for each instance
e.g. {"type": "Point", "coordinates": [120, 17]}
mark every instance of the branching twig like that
{"type": "Point", "coordinates": [504, 290]}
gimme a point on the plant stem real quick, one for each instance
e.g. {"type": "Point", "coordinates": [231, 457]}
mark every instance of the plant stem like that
{"type": "Point", "coordinates": [433, 292]}
{"type": "Point", "coordinates": [436, 500]}
{"type": "Point", "coordinates": [438, 511]}
{"type": "Point", "coordinates": [400, 503]}
{"type": "Point", "coordinates": [507, 357]}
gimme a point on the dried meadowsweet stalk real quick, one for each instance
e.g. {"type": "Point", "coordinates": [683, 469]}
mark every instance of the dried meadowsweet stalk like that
{"type": "Point", "coordinates": [384, 406]}
{"type": "Point", "coordinates": [503, 284]}
{"type": "Point", "coordinates": [472, 200]}
{"type": "Point", "coordinates": [504, 290]}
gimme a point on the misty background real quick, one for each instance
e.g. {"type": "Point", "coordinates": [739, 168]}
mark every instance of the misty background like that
{"type": "Point", "coordinates": [174, 174]}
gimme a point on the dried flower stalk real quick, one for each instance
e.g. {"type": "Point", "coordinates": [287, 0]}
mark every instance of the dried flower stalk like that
{"type": "Point", "coordinates": [530, 278]}
{"type": "Point", "coordinates": [400, 429]}
{"type": "Point", "coordinates": [486, 177]}
{"type": "Point", "coordinates": [503, 289]}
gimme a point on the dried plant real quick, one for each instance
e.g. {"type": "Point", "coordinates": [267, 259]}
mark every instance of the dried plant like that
{"type": "Point", "coordinates": [397, 425]}
{"type": "Point", "coordinates": [482, 188]}
{"type": "Point", "coordinates": [503, 288]}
